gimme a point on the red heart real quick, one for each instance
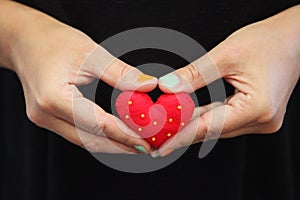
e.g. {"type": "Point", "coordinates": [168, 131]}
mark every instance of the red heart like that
{"type": "Point", "coordinates": [156, 122]}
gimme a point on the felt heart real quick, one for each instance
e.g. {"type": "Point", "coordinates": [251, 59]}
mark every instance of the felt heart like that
{"type": "Point", "coordinates": [156, 122]}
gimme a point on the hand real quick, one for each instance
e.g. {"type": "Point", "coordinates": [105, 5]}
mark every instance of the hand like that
{"type": "Point", "coordinates": [262, 61]}
{"type": "Point", "coordinates": [48, 56]}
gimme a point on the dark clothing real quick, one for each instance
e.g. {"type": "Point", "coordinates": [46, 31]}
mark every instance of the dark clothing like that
{"type": "Point", "coordinates": [37, 164]}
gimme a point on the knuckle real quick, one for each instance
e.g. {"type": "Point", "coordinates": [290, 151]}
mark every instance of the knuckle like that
{"type": "Point", "coordinates": [230, 55]}
{"type": "Point", "coordinates": [126, 139]}
{"type": "Point", "coordinates": [274, 125]}
{"type": "Point", "coordinates": [273, 120]}
{"type": "Point", "coordinates": [233, 52]}
{"type": "Point", "coordinates": [102, 125]}
{"type": "Point", "coordinates": [267, 114]}
{"type": "Point", "coordinates": [98, 128]}
{"type": "Point", "coordinates": [106, 122]}
{"type": "Point", "coordinates": [200, 136]}
{"type": "Point", "coordinates": [121, 68]}
{"type": "Point", "coordinates": [91, 146]}
{"type": "Point", "coordinates": [36, 117]}
{"type": "Point", "coordinates": [191, 72]}
{"type": "Point", "coordinates": [46, 101]}
{"type": "Point", "coordinates": [203, 129]}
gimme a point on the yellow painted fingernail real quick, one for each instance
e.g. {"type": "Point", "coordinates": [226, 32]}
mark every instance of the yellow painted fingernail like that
{"type": "Point", "coordinates": [144, 77]}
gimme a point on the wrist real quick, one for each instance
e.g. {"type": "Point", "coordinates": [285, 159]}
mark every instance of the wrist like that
{"type": "Point", "coordinates": [295, 18]}
{"type": "Point", "coordinates": [287, 23]}
{"type": "Point", "coordinates": [22, 27]}
{"type": "Point", "coordinates": [14, 18]}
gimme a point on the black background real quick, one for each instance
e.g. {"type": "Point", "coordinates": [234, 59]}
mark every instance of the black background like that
{"type": "Point", "coordinates": [37, 164]}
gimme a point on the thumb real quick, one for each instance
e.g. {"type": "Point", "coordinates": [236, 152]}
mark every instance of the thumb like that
{"type": "Point", "coordinates": [125, 77]}
{"type": "Point", "coordinates": [196, 75]}
{"type": "Point", "coordinates": [101, 64]}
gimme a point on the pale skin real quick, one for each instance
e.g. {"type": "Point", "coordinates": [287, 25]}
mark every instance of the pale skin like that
{"type": "Point", "coordinates": [47, 55]}
{"type": "Point", "coordinates": [262, 61]}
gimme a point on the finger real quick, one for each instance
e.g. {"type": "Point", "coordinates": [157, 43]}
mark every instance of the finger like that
{"type": "Point", "coordinates": [84, 139]}
{"type": "Point", "coordinates": [101, 64]}
{"type": "Point", "coordinates": [118, 131]}
{"type": "Point", "coordinates": [236, 115]}
{"type": "Point", "coordinates": [88, 116]}
{"type": "Point", "coordinates": [238, 132]}
{"type": "Point", "coordinates": [203, 109]}
{"type": "Point", "coordinates": [189, 139]}
{"type": "Point", "coordinates": [254, 127]}
{"type": "Point", "coordinates": [183, 138]}
{"type": "Point", "coordinates": [188, 134]}
{"type": "Point", "coordinates": [192, 77]}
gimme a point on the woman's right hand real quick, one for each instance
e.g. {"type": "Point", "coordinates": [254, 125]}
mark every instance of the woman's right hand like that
{"type": "Point", "coordinates": [47, 55]}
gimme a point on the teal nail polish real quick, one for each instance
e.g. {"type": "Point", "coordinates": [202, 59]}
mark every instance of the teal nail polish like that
{"type": "Point", "coordinates": [140, 148]}
{"type": "Point", "coordinates": [169, 80]}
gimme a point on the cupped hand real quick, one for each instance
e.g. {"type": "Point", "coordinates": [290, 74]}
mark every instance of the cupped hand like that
{"type": "Point", "coordinates": [51, 60]}
{"type": "Point", "coordinates": [262, 62]}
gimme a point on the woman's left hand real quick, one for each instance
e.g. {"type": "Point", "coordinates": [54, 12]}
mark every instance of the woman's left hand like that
{"type": "Point", "coordinates": [262, 61]}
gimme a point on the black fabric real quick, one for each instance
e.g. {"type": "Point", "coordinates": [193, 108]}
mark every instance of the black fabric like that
{"type": "Point", "coordinates": [37, 164]}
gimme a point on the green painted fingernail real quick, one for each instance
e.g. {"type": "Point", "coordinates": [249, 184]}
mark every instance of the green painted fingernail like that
{"type": "Point", "coordinates": [140, 148]}
{"type": "Point", "coordinates": [169, 80]}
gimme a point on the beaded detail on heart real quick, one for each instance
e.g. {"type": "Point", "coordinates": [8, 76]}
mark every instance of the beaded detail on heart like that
{"type": "Point", "coordinates": [170, 120]}
{"type": "Point", "coordinates": [156, 122]}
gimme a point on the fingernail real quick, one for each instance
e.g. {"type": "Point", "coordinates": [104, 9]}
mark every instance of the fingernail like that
{"type": "Point", "coordinates": [169, 80]}
{"type": "Point", "coordinates": [167, 152]}
{"type": "Point", "coordinates": [144, 77]}
{"type": "Point", "coordinates": [140, 148]}
{"type": "Point", "coordinates": [155, 154]}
